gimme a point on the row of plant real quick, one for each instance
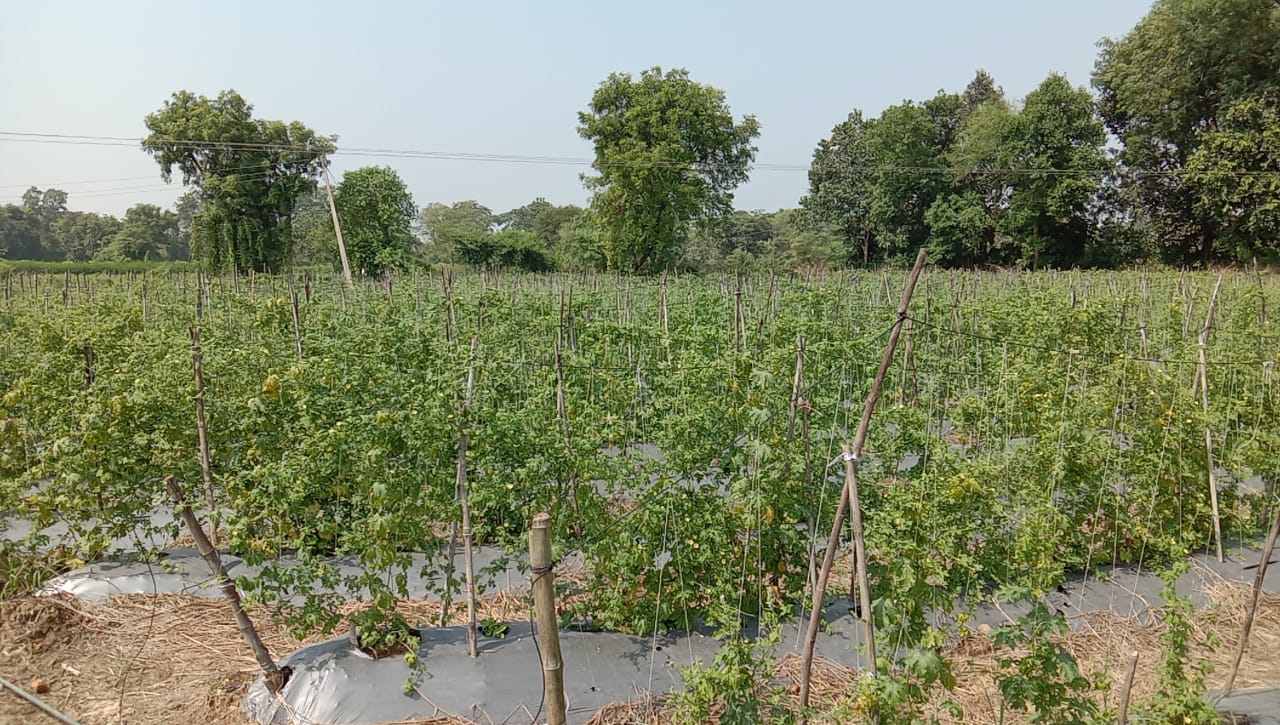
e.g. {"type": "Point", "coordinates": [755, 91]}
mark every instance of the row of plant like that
{"type": "Point", "coordinates": [1033, 425]}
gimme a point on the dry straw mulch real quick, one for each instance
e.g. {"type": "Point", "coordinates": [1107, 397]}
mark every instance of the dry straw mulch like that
{"type": "Point", "coordinates": [141, 659]}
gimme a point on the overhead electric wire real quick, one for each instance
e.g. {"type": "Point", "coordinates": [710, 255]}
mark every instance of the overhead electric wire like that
{"type": "Point", "coordinates": [357, 151]}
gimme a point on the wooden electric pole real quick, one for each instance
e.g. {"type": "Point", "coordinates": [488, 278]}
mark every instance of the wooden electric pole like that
{"type": "Point", "coordinates": [337, 226]}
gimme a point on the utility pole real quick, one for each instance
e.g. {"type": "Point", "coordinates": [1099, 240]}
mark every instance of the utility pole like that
{"type": "Point", "coordinates": [337, 226]}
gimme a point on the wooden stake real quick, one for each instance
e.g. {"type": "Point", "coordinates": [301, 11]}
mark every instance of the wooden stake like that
{"type": "Point", "coordinates": [1122, 717]}
{"type": "Point", "coordinates": [1202, 378]}
{"type": "Point", "coordinates": [848, 499]}
{"type": "Point", "coordinates": [1267, 549]}
{"type": "Point", "coordinates": [202, 430]}
{"type": "Point", "coordinates": [909, 378]}
{"type": "Point", "coordinates": [468, 556]}
{"type": "Point", "coordinates": [562, 412]}
{"type": "Point", "coordinates": [739, 320]}
{"type": "Point", "coordinates": [337, 225]}
{"type": "Point", "coordinates": [88, 365]}
{"type": "Point", "coordinates": [297, 323]}
{"type": "Point", "coordinates": [544, 606]}
{"type": "Point", "coordinates": [273, 676]}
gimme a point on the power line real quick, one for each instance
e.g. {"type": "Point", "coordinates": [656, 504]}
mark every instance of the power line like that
{"type": "Point", "coordinates": [90, 140]}
{"type": "Point", "coordinates": [151, 177]}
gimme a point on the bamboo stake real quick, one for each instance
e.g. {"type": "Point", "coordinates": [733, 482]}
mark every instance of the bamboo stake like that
{"type": "Point", "coordinates": [1258, 576]}
{"type": "Point", "coordinates": [562, 412]}
{"type": "Point", "coordinates": [88, 365]}
{"type": "Point", "coordinates": [202, 430]}
{"type": "Point", "coordinates": [297, 324]}
{"type": "Point", "coordinates": [274, 677]}
{"type": "Point", "coordinates": [1202, 377]}
{"type": "Point", "coordinates": [848, 495]}
{"type": "Point", "coordinates": [544, 605]}
{"type": "Point", "coordinates": [909, 378]}
{"type": "Point", "coordinates": [468, 556]}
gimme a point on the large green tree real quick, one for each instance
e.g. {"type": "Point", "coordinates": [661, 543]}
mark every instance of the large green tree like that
{"type": "Point", "coordinates": [248, 173]}
{"type": "Point", "coordinates": [314, 242]}
{"type": "Point", "coordinates": [540, 217]}
{"type": "Point", "coordinates": [80, 235]}
{"type": "Point", "coordinates": [1234, 179]}
{"type": "Point", "coordinates": [147, 232]}
{"type": "Point", "coordinates": [443, 225]}
{"type": "Point", "coordinates": [841, 178]}
{"type": "Point", "coordinates": [22, 233]}
{"type": "Point", "coordinates": [667, 151]}
{"type": "Point", "coordinates": [965, 176]}
{"type": "Point", "coordinates": [377, 214]}
{"type": "Point", "coordinates": [1057, 140]}
{"type": "Point", "coordinates": [1168, 83]}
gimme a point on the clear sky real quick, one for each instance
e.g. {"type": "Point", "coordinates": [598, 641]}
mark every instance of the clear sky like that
{"type": "Point", "coordinates": [498, 77]}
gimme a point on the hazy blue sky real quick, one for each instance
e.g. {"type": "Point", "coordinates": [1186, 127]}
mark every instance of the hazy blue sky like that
{"type": "Point", "coordinates": [498, 77]}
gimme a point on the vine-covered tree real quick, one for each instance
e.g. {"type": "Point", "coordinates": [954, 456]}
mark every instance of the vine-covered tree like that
{"type": "Point", "coordinates": [667, 151]}
{"type": "Point", "coordinates": [377, 213]}
{"type": "Point", "coordinates": [248, 172]}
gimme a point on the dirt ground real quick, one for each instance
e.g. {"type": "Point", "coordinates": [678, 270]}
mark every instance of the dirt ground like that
{"type": "Point", "coordinates": [139, 660]}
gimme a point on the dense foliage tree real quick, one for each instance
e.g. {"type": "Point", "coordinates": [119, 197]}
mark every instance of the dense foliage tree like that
{"type": "Point", "coordinates": [1058, 129]}
{"type": "Point", "coordinates": [523, 218]}
{"type": "Point", "coordinates": [314, 242]}
{"type": "Point", "coordinates": [579, 244]}
{"type": "Point", "coordinates": [22, 233]}
{"type": "Point", "coordinates": [80, 235]}
{"type": "Point", "coordinates": [148, 233]}
{"type": "Point", "coordinates": [968, 225]}
{"type": "Point", "coordinates": [443, 224]}
{"type": "Point", "coordinates": [964, 176]}
{"type": "Point", "coordinates": [509, 248]}
{"type": "Point", "coordinates": [1169, 83]}
{"type": "Point", "coordinates": [1234, 179]}
{"type": "Point", "coordinates": [48, 203]}
{"type": "Point", "coordinates": [982, 90]}
{"type": "Point", "coordinates": [668, 152]}
{"type": "Point", "coordinates": [377, 214]}
{"type": "Point", "coordinates": [248, 173]}
{"type": "Point", "coordinates": [41, 228]}
{"type": "Point", "coordinates": [840, 181]}
{"type": "Point", "coordinates": [540, 217]}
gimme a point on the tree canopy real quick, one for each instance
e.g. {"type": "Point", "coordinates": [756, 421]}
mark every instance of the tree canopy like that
{"type": "Point", "coordinates": [965, 176]}
{"type": "Point", "coordinates": [377, 213]}
{"type": "Point", "coordinates": [667, 152]}
{"type": "Point", "coordinates": [1166, 88]}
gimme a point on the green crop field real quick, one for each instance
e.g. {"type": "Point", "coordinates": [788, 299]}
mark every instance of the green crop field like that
{"type": "Point", "coordinates": [1031, 425]}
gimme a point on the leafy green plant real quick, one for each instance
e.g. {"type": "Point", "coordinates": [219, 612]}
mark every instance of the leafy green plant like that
{"type": "Point", "coordinates": [1180, 684]}
{"type": "Point", "coordinates": [1036, 673]}
{"type": "Point", "coordinates": [735, 687]}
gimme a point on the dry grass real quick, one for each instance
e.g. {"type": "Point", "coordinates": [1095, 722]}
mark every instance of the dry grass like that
{"type": "Point", "coordinates": [161, 659]}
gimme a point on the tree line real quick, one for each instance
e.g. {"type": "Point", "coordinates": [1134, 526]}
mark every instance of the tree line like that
{"type": "Point", "coordinates": [42, 228]}
{"type": "Point", "coordinates": [1175, 159]}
